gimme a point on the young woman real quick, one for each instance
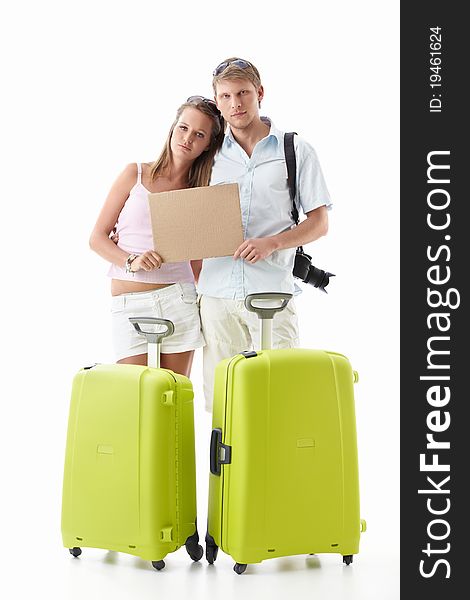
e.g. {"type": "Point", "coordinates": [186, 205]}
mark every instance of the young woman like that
{"type": "Point", "coordinates": [141, 285]}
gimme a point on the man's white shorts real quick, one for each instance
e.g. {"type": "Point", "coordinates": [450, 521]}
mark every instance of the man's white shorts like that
{"type": "Point", "coordinates": [229, 328]}
{"type": "Point", "coordinates": [177, 302]}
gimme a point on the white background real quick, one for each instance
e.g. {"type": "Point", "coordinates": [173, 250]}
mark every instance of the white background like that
{"type": "Point", "coordinates": [91, 86]}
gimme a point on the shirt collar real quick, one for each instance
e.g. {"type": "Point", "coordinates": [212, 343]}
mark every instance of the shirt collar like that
{"type": "Point", "coordinates": [273, 132]}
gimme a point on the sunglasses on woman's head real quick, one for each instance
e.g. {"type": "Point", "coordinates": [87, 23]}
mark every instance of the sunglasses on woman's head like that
{"type": "Point", "coordinates": [197, 99]}
{"type": "Point", "coordinates": [238, 62]}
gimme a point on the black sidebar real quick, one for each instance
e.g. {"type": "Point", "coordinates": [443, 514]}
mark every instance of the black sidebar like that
{"type": "Point", "coordinates": [435, 334]}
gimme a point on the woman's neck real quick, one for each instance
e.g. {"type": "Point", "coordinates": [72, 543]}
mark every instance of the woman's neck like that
{"type": "Point", "coordinates": [178, 172]}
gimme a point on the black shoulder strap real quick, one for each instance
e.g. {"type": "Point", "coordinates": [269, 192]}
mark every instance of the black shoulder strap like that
{"type": "Point", "coordinates": [291, 162]}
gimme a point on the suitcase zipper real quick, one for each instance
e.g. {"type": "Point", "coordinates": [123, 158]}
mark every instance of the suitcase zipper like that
{"type": "Point", "coordinates": [177, 462]}
{"type": "Point", "coordinates": [220, 453]}
{"type": "Point", "coordinates": [222, 433]}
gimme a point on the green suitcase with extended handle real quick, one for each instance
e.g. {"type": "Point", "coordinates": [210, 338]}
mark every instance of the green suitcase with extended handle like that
{"type": "Point", "coordinates": [284, 470]}
{"type": "Point", "coordinates": [129, 476]}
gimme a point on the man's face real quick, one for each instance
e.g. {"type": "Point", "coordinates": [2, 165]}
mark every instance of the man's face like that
{"type": "Point", "coordinates": [238, 101]}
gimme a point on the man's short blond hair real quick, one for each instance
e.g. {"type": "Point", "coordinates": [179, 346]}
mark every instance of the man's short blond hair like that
{"type": "Point", "coordinates": [233, 71]}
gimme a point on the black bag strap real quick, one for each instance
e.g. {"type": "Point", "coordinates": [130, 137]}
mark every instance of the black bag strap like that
{"type": "Point", "coordinates": [291, 162]}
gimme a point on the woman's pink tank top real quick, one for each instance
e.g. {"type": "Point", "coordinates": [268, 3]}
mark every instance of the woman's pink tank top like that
{"type": "Point", "coordinates": [135, 236]}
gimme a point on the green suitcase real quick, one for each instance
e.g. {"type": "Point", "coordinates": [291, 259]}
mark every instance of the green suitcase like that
{"type": "Point", "coordinates": [284, 468]}
{"type": "Point", "coordinates": [129, 476]}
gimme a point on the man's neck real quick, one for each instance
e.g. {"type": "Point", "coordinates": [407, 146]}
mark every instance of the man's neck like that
{"type": "Point", "coordinates": [249, 136]}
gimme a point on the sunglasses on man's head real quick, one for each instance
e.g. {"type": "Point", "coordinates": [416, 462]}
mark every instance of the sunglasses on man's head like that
{"type": "Point", "coordinates": [238, 62]}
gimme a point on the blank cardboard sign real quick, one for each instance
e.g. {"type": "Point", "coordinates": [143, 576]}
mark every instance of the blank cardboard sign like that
{"type": "Point", "coordinates": [194, 223]}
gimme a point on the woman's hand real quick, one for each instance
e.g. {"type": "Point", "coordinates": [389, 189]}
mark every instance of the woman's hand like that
{"type": "Point", "coordinates": [114, 236]}
{"type": "Point", "coordinates": [148, 261]}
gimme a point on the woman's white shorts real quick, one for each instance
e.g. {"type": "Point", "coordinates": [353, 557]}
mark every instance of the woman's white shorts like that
{"type": "Point", "coordinates": [177, 302]}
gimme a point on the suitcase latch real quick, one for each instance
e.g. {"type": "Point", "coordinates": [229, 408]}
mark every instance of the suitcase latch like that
{"type": "Point", "coordinates": [167, 398]}
{"type": "Point", "coordinates": [166, 534]}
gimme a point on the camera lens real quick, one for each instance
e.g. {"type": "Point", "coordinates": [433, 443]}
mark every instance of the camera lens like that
{"type": "Point", "coordinates": [304, 270]}
{"type": "Point", "coordinates": [318, 277]}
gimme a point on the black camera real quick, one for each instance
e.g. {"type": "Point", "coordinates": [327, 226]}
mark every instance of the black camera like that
{"type": "Point", "coordinates": [304, 270]}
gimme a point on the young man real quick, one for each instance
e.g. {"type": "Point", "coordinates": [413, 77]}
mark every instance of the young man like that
{"type": "Point", "coordinates": [252, 155]}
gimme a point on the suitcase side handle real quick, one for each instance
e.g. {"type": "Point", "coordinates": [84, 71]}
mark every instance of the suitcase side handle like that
{"type": "Point", "coordinates": [263, 311]}
{"type": "Point", "coordinates": [154, 338]}
{"type": "Point", "coordinates": [220, 454]}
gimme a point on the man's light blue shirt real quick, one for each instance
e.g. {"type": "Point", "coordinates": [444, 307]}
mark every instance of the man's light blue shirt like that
{"type": "Point", "coordinates": [266, 210]}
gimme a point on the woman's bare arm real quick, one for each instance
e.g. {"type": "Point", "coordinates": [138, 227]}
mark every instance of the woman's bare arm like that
{"type": "Point", "coordinates": [118, 194]}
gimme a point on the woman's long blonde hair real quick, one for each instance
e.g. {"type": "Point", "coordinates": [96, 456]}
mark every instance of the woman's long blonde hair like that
{"type": "Point", "coordinates": [200, 172]}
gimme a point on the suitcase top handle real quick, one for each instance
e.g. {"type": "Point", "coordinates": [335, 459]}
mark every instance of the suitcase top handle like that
{"type": "Point", "coordinates": [262, 304]}
{"type": "Point", "coordinates": [153, 337]}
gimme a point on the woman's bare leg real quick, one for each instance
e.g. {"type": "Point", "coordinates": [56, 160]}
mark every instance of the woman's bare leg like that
{"type": "Point", "coordinates": [139, 359]}
{"type": "Point", "coordinates": [179, 362]}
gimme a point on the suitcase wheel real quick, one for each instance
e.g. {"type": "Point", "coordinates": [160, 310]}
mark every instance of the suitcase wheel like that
{"type": "Point", "coordinates": [347, 559]}
{"type": "Point", "coordinates": [239, 568]}
{"type": "Point", "coordinates": [158, 564]}
{"type": "Point", "coordinates": [193, 548]}
{"type": "Point", "coordinates": [196, 554]}
{"type": "Point", "coordinates": [211, 554]}
{"type": "Point", "coordinates": [211, 549]}
{"type": "Point", "coordinates": [75, 551]}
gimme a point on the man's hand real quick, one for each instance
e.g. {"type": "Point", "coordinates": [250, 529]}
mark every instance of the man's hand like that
{"type": "Point", "coordinates": [255, 249]}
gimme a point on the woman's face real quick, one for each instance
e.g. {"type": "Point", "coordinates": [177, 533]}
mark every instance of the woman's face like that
{"type": "Point", "coordinates": [191, 135]}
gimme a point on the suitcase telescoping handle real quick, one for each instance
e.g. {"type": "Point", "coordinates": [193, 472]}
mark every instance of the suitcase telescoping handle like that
{"type": "Point", "coordinates": [154, 338]}
{"type": "Point", "coordinates": [266, 305]}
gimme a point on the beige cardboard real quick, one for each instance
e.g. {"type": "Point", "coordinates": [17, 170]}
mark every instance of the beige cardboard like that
{"type": "Point", "coordinates": [196, 223]}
